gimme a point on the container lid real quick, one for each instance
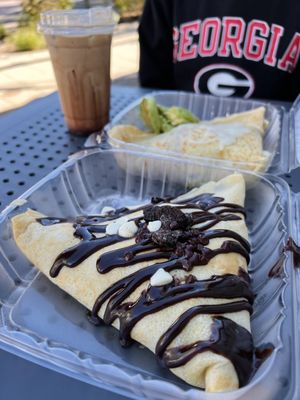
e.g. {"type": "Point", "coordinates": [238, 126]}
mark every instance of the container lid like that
{"type": "Point", "coordinates": [295, 111]}
{"type": "Point", "coordinates": [83, 22]}
{"type": "Point", "coordinates": [89, 355]}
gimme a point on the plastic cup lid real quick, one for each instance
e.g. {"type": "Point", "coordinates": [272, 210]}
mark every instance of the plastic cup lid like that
{"type": "Point", "coordinates": [98, 19]}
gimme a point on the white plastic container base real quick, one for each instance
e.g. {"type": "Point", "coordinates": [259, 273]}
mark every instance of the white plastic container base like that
{"type": "Point", "coordinates": [41, 323]}
{"type": "Point", "coordinates": [279, 138]}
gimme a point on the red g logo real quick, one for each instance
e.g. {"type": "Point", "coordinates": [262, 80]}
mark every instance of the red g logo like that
{"type": "Point", "coordinates": [224, 80]}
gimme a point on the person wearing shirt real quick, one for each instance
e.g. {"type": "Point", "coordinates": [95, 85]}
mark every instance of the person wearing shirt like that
{"type": "Point", "coordinates": [247, 48]}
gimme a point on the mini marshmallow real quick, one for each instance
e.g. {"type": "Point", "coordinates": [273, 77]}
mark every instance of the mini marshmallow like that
{"type": "Point", "coordinates": [128, 230]}
{"type": "Point", "coordinates": [160, 278]}
{"type": "Point", "coordinates": [113, 227]}
{"type": "Point", "coordinates": [107, 210]}
{"type": "Point", "coordinates": [154, 226]}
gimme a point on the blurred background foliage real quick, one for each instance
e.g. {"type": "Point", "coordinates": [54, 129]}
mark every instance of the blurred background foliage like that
{"type": "Point", "coordinates": [31, 9]}
{"type": "Point", "coordinates": [26, 37]}
{"type": "Point", "coordinates": [129, 8]}
{"type": "Point", "coordinates": [3, 32]}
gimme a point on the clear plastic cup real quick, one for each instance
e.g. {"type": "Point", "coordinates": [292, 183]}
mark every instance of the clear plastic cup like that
{"type": "Point", "coordinates": [79, 43]}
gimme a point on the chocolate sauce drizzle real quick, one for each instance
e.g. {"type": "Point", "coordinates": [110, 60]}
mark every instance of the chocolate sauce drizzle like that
{"type": "Point", "coordinates": [154, 299]}
{"type": "Point", "coordinates": [48, 221]}
{"type": "Point", "coordinates": [295, 249]}
{"type": "Point", "coordinates": [75, 255]}
{"type": "Point", "coordinates": [181, 243]}
{"type": "Point", "coordinates": [227, 339]}
{"type": "Point", "coordinates": [277, 269]}
{"type": "Point", "coordinates": [262, 352]}
{"type": "Point", "coordinates": [130, 255]}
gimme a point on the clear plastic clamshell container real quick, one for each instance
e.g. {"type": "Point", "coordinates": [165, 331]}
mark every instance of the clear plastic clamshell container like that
{"type": "Point", "coordinates": [295, 126]}
{"type": "Point", "coordinates": [279, 138]}
{"type": "Point", "coordinates": [40, 322]}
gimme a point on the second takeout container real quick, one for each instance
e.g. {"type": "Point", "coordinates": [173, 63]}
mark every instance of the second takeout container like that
{"type": "Point", "coordinates": [279, 138]}
{"type": "Point", "coordinates": [40, 322]}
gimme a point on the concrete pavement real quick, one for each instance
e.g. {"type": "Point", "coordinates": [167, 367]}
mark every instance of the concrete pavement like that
{"type": "Point", "coordinates": [28, 75]}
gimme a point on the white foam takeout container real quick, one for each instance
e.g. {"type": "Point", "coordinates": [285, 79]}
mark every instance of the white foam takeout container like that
{"type": "Point", "coordinates": [279, 139]}
{"type": "Point", "coordinates": [39, 322]}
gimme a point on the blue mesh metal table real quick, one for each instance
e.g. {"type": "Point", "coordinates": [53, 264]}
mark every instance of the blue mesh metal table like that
{"type": "Point", "coordinates": [33, 141]}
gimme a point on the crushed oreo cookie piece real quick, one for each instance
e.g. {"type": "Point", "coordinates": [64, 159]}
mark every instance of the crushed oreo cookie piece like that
{"type": "Point", "coordinates": [142, 233]}
{"type": "Point", "coordinates": [193, 252]}
{"type": "Point", "coordinates": [166, 238]}
{"type": "Point", "coordinates": [171, 217]}
{"type": "Point", "coordinates": [157, 200]}
{"type": "Point", "coordinates": [153, 213]}
{"type": "Point", "coordinates": [190, 279]}
{"type": "Point", "coordinates": [181, 241]}
{"type": "Point", "coordinates": [187, 279]}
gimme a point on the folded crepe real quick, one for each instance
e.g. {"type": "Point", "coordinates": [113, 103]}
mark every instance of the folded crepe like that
{"type": "Point", "coordinates": [170, 274]}
{"type": "Point", "coordinates": [237, 137]}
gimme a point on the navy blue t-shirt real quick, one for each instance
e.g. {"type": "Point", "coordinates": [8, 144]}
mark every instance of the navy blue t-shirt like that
{"type": "Point", "coordinates": [246, 48]}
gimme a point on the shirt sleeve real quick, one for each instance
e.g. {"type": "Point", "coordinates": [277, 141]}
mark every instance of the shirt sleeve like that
{"type": "Point", "coordinates": [156, 45]}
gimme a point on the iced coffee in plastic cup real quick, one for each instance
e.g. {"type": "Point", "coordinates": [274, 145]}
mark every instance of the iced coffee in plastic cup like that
{"type": "Point", "coordinates": [79, 44]}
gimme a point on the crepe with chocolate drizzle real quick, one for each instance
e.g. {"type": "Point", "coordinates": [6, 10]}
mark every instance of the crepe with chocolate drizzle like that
{"type": "Point", "coordinates": [198, 325]}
